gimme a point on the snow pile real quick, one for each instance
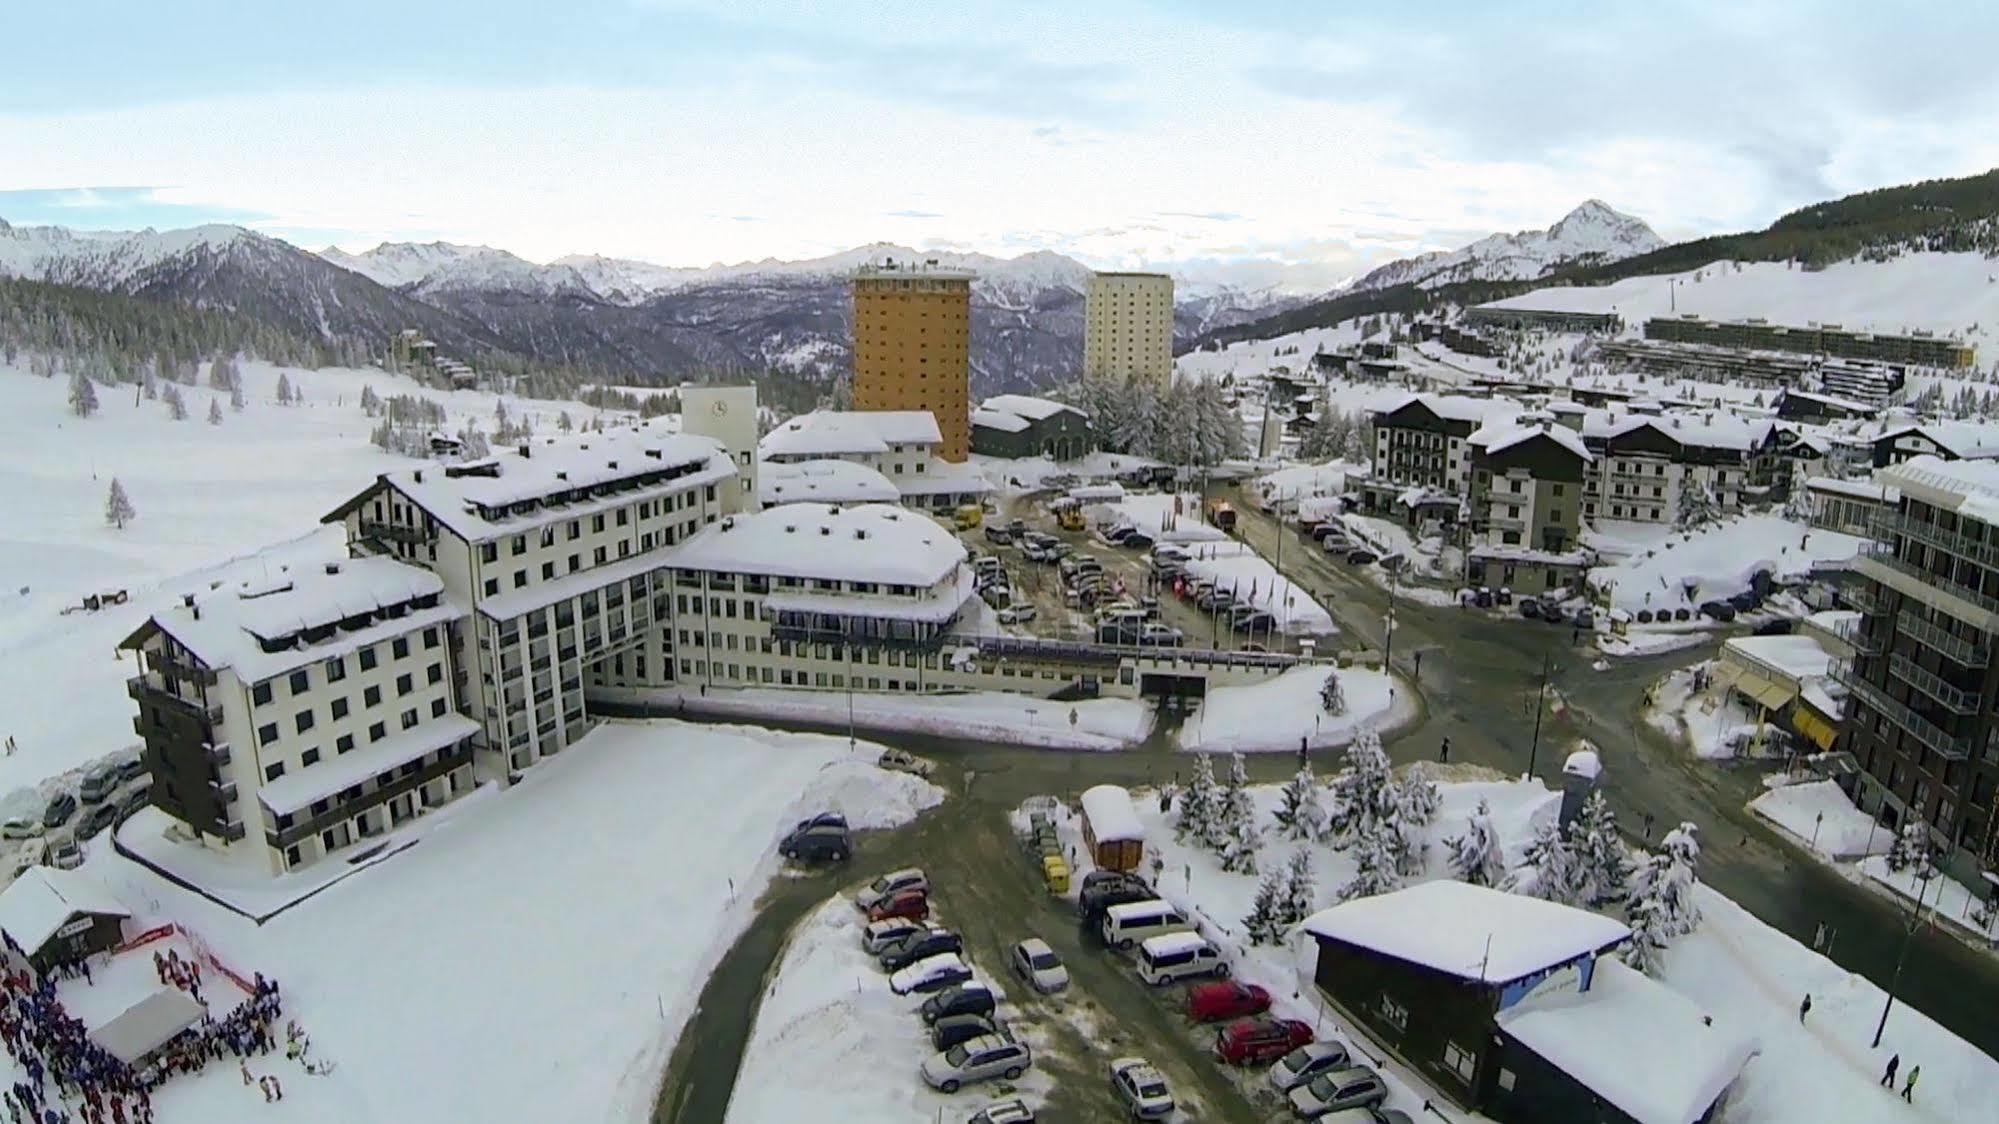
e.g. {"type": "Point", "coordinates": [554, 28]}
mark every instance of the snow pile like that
{"type": "Point", "coordinates": [1162, 516]}
{"type": "Point", "coordinates": [1819, 814]}
{"type": "Point", "coordinates": [1254, 581]}
{"type": "Point", "coordinates": [523, 911]}
{"type": "Point", "coordinates": [1029, 474]}
{"type": "Point", "coordinates": [871, 797]}
{"type": "Point", "coordinates": [1718, 561]}
{"type": "Point", "coordinates": [1303, 481]}
{"type": "Point", "coordinates": [1276, 714]}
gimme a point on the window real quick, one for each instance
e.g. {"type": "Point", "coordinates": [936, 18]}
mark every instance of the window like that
{"type": "Point", "coordinates": [371, 697]}
{"type": "Point", "coordinates": [344, 743]}
{"type": "Point", "coordinates": [409, 718]}
{"type": "Point", "coordinates": [309, 757]}
{"type": "Point", "coordinates": [492, 587]}
{"type": "Point", "coordinates": [267, 733]}
{"type": "Point", "coordinates": [401, 646]}
{"type": "Point", "coordinates": [367, 659]}
{"type": "Point", "coordinates": [300, 682]}
{"type": "Point", "coordinates": [260, 694]}
{"type": "Point", "coordinates": [377, 732]}
{"type": "Point", "coordinates": [519, 545]}
{"type": "Point", "coordinates": [437, 708]}
{"type": "Point", "coordinates": [520, 578]}
{"type": "Point", "coordinates": [1460, 1060]}
{"type": "Point", "coordinates": [336, 670]}
{"type": "Point", "coordinates": [547, 571]}
{"type": "Point", "coordinates": [1395, 1013]}
{"type": "Point", "coordinates": [274, 771]}
{"type": "Point", "coordinates": [304, 720]}
{"type": "Point", "coordinates": [404, 684]}
{"type": "Point", "coordinates": [436, 673]}
{"type": "Point", "coordinates": [430, 639]}
{"type": "Point", "coordinates": [489, 552]}
{"type": "Point", "coordinates": [339, 709]}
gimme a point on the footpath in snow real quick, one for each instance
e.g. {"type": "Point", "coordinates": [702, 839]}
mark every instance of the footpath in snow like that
{"type": "Point", "coordinates": [534, 956]}
{"type": "Point", "coordinates": [1277, 714]}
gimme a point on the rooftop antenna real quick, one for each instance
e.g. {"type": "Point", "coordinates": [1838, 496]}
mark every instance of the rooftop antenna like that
{"type": "Point", "coordinates": [1486, 959]}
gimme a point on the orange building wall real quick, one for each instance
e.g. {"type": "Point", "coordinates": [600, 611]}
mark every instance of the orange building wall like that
{"type": "Point", "coordinates": [911, 351]}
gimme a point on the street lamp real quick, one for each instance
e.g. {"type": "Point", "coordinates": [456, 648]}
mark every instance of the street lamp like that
{"type": "Point", "coordinates": [1901, 958]}
{"type": "Point", "coordinates": [1540, 704]}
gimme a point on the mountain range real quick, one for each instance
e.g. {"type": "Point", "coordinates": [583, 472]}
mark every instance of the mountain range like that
{"type": "Point", "coordinates": [634, 321]}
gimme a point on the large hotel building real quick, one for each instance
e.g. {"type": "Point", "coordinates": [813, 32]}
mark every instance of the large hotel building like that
{"type": "Point", "coordinates": [1128, 326]}
{"type": "Point", "coordinates": [911, 347]}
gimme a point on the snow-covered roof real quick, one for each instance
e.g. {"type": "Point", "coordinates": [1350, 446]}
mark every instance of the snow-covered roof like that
{"type": "Point", "coordinates": [1457, 407]}
{"type": "Point", "coordinates": [1472, 932]}
{"type": "Point", "coordinates": [1796, 655]}
{"type": "Point", "coordinates": [1973, 483]}
{"type": "Point", "coordinates": [1584, 763]}
{"type": "Point", "coordinates": [868, 543]}
{"type": "Point", "coordinates": [826, 481]}
{"type": "Point", "coordinates": [944, 476]}
{"type": "Point", "coordinates": [1969, 439]}
{"type": "Point", "coordinates": [1171, 944]}
{"type": "Point", "coordinates": [474, 504]}
{"type": "Point", "coordinates": [1595, 1035]}
{"type": "Point", "coordinates": [1847, 404]}
{"type": "Point", "coordinates": [1111, 816]}
{"type": "Point", "coordinates": [44, 899]}
{"type": "Point", "coordinates": [828, 433]}
{"type": "Point", "coordinates": [1497, 436]}
{"type": "Point", "coordinates": [147, 1025]}
{"type": "Point", "coordinates": [293, 792]}
{"type": "Point", "coordinates": [228, 626]}
{"type": "Point", "coordinates": [983, 418]}
{"type": "Point", "coordinates": [1858, 489]}
{"type": "Point", "coordinates": [1027, 406]}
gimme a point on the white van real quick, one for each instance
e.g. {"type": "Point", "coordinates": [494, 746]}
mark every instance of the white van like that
{"type": "Point", "coordinates": [1127, 924]}
{"type": "Point", "coordinates": [1178, 956]}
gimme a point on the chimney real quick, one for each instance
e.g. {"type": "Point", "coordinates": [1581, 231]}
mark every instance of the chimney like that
{"type": "Point", "coordinates": [527, 450]}
{"type": "Point", "coordinates": [187, 599]}
{"type": "Point", "coordinates": [419, 476]}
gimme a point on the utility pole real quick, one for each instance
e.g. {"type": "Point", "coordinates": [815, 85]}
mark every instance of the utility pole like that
{"type": "Point", "coordinates": [1901, 958]}
{"type": "Point", "coordinates": [1540, 703]}
{"type": "Point", "coordinates": [1388, 638]}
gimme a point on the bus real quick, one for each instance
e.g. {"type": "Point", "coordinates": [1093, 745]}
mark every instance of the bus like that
{"type": "Point", "coordinates": [1222, 515]}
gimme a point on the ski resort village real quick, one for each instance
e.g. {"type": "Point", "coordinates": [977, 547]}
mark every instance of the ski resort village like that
{"type": "Point", "coordinates": [1546, 680]}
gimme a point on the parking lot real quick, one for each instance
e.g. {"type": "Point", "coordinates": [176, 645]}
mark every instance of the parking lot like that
{"type": "Point", "coordinates": [50, 823]}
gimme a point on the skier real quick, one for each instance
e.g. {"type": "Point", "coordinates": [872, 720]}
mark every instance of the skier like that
{"type": "Point", "coordinates": [1444, 751]}
{"type": "Point", "coordinates": [1888, 1078]}
{"type": "Point", "coordinates": [1909, 1086]}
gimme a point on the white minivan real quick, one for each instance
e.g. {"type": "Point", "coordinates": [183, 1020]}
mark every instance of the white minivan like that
{"type": "Point", "coordinates": [1127, 924]}
{"type": "Point", "coordinates": [1178, 956]}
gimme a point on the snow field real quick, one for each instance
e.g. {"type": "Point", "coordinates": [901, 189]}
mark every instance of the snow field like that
{"type": "Point", "coordinates": [535, 955]}
{"type": "Point", "coordinates": [1717, 561]}
{"type": "Point", "coordinates": [1844, 831]}
{"type": "Point", "coordinates": [1273, 715]}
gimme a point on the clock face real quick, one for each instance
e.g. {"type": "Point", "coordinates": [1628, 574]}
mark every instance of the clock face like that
{"type": "Point", "coordinates": [720, 407]}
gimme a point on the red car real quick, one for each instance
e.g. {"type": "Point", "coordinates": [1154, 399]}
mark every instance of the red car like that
{"type": "Point", "coordinates": [1260, 1041]}
{"type": "Point", "coordinates": [913, 904]}
{"type": "Point", "coordinates": [1225, 999]}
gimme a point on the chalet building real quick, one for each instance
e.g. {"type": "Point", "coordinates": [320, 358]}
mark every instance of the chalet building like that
{"type": "Point", "coordinates": [1527, 491]}
{"type": "Point", "coordinates": [1012, 426]}
{"type": "Point", "coordinates": [1807, 406]}
{"type": "Point", "coordinates": [1509, 1007]}
{"type": "Point", "coordinates": [904, 445]}
{"type": "Point", "coordinates": [58, 917]}
{"type": "Point", "coordinates": [1419, 449]}
{"type": "Point", "coordinates": [1945, 440]}
{"type": "Point", "coordinates": [1924, 688]}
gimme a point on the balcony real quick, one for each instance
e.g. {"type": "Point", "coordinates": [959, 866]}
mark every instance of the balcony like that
{"type": "Point", "coordinates": [1929, 534]}
{"type": "Point", "coordinates": [1855, 634]}
{"type": "Point", "coordinates": [218, 755]}
{"type": "Point", "coordinates": [224, 791]}
{"type": "Point", "coordinates": [1879, 562]}
{"type": "Point", "coordinates": [1941, 641]}
{"type": "Point", "coordinates": [391, 532]}
{"type": "Point", "coordinates": [1915, 725]}
{"type": "Point", "coordinates": [1953, 699]}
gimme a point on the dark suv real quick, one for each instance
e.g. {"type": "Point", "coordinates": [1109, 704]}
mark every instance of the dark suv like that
{"type": "Point", "coordinates": [963, 999]}
{"type": "Point", "coordinates": [916, 946]}
{"type": "Point", "coordinates": [817, 842]}
{"type": "Point", "coordinates": [1103, 889]}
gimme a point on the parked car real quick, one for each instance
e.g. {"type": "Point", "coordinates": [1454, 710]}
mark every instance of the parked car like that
{"type": "Point", "coordinates": [1216, 600]}
{"type": "Point", "coordinates": [64, 854]}
{"type": "Point", "coordinates": [823, 843]}
{"type": "Point", "coordinates": [953, 1029]}
{"type": "Point", "coordinates": [1530, 608]}
{"type": "Point", "coordinates": [1353, 1087]}
{"type": "Point", "coordinates": [1360, 556]}
{"type": "Point", "coordinates": [1177, 956]}
{"type": "Point", "coordinates": [1137, 540]}
{"type": "Point", "coordinates": [904, 762]}
{"type": "Point", "coordinates": [1003, 1112]}
{"type": "Point", "coordinates": [1036, 963]}
{"type": "Point", "coordinates": [1016, 614]}
{"type": "Point", "coordinates": [908, 878]}
{"type": "Point", "coordinates": [1225, 999]}
{"type": "Point", "coordinates": [1105, 888]}
{"type": "Point", "coordinates": [1584, 618]}
{"type": "Point", "coordinates": [1720, 611]}
{"type": "Point", "coordinates": [132, 768]}
{"type": "Point", "coordinates": [1159, 636]}
{"type": "Point", "coordinates": [98, 818]}
{"type": "Point", "coordinates": [998, 535]}
{"type": "Point", "coordinates": [1260, 1041]}
{"type": "Point", "coordinates": [98, 783]}
{"type": "Point", "coordinates": [1745, 601]}
{"type": "Point", "coordinates": [59, 810]}
{"type": "Point", "coordinates": [1374, 1115]}
{"type": "Point", "coordinates": [1313, 1059]}
{"type": "Point", "coordinates": [1779, 627]}
{"type": "Point", "coordinates": [980, 1059]}
{"type": "Point", "coordinates": [140, 795]}
{"type": "Point", "coordinates": [964, 999]}
{"type": "Point", "coordinates": [21, 827]}
{"type": "Point", "coordinates": [933, 973]}
{"type": "Point", "coordinates": [33, 852]}
{"type": "Point", "coordinates": [920, 945]}
{"type": "Point", "coordinates": [903, 903]}
{"type": "Point", "coordinates": [823, 819]}
{"type": "Point", "coordinates": [877, 936]}
{"type": "Point", "coordinates": [1141, 1089]}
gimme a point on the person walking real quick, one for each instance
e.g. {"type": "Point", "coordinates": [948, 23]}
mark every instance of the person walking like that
{"type": "Point", "coordinates": [1888, 1077]}
{"type": "Point", "coordinates": [1444, 752]}
{"type": "Point", "coordinates": [1804, 1008]}
{"type": "Point", "coordinates": [1909, 1086]}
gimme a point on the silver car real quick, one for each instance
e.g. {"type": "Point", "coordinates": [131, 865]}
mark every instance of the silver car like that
{"type": "Point", "coordinates": [980, 1059]}
{"type": "Point", "coordinates": [1141, 1088]}
{"type": "Point", "coordinates": [1355, 1087]}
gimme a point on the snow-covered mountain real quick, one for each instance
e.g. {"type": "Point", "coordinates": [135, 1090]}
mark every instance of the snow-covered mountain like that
{"type": "Point", "coordinates": [1592, 234]}
{"type": "Point", "coordinates": [116, 260]}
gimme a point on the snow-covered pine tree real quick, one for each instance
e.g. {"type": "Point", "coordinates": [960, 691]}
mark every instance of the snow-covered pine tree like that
{"type": "Point", "coordinates": [176, 405]}
{"type": "Point", "coordinates": [1476, 856]}
{"type": "Point", "coordinates": [284, 389]}
{"type": "Point", "coordinates": [1199, 805]}
{"type": "Point", "coordinates": [1332, 696]}
{"type": "Point", "coordinates": [371, 403]}
{"type": "Point", "coordinates": [236, 396]}
{"type": "Point", "coordinates": [82, 395]}
{"type": "Point", "coordinates": [1301, 893]}
{"type": "Point", "coordinates": [1662, 906]}
{"type": "Point", "coordinates": [1300, 815]}
{"type": "Point", "coordinates": [215, 411]}
{"type": "Point", "coordinates": [473, 440]}
{"type": "Point", "coordinates": [563, 423]}
{"type": "Point", "coordinates": [149, 386]}
{"type": "Point", "coordinates": [1603, 866]}
{"type": "Point", "coordinates": [1362, 791]}
{"type": "Point", "coordinates": [118, 509]}
{"type": "Point", "coordinates": [1413, 808]}
{"type": "Point", "coordinates": [1236, 825]}
{"type": "Point", "coordinates": [1263, 922]}
{"type": "Point", "coordinates": [1554, 863]}
{"type": "Point", "coordinates": [1374, 871]}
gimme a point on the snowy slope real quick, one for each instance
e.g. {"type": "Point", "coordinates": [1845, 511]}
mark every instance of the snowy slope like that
{"type": "Point", "coordinates": [1947, 293]}
{"type": "Point", "coordinates": [1593, 232]}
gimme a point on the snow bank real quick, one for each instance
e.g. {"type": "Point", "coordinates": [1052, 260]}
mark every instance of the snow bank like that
{"type": "Point", "coordinates": [1234, 566]}
{"type": "Point", "coordinates": [1163, 516]}
{"type": "Point", "coordinates": [1717, 562]}
{"type": "Point", "coordinates": [1275, 714]}
{"type": "Point", "coordinates": [1844, 831]}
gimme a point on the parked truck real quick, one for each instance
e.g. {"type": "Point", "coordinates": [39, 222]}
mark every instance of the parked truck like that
{"type": "Point", "coordinates": [1111, 829]}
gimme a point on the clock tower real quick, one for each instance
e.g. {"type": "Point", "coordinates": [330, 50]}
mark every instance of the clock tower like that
{"type": "Point", "coordinates": [729, 415]}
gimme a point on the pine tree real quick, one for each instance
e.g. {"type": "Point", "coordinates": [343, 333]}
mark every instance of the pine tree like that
{"type": "Point", "coordinates": [215, 411]}
{"type": "Point", "coordinates": [236, 396]}
{"type": "Point", "coordinates": [1200, 804]}
{"type": "Point", "coordinates": [1476, 856]}
{"type": "Point", "coordinates": [118, 509]}
{"type": "Point", "coordinates": [1238, 831]}
{"type": "Point", "coordinates": [371, 403]}
{"type": "Point", "coordinates": [1554, 863]}
{"type": "Point", "coordinates": [1374, 872]}
{"type": "Point", "coordinates": [1264, 923]}
{"type": "Point", "coordinates": [1332, 696]}
{"type": "Point", "coordinates": [1301, 893]}
{"type": "Point", "coordinates": [474, 442]}
{"type": "Point", "coordinates": [284, 390]}
{"type": "Point", "coordinates": [176, 405]}
{"type": "Point", "coordinates": [1603, 867]}
{"type": "Point", "coordinates": [563, 423]}
{"type": "Point", "coordinates": [1363, 790]}
{"type": "Point", "coordinates": [82, 395]}
{"type": "Point", "coordinates": [1301, 816]}
{"type": "Point", "coordinates": [1662, 907]}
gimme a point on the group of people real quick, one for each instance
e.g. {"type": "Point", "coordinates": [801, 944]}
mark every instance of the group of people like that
{"type": "Point", "coordinates": [242, 1032]}
{"type": "Point", "coordinates": [54, 1049]}
{"type": "Point", "coordinates": [183, 974]}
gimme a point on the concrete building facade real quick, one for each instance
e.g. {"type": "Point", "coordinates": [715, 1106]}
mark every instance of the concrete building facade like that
{"type": "Point", "coordinates": [912, 326]}
{"type": "Point", "coordinates": [1128, 326]}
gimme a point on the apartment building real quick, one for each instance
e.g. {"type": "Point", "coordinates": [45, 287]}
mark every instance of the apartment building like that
{"type": "Point", "coordinates": [912, 347]}
{"type": "Point", "coordinates": [553, 547]}
{"type": "Point", "coordinates": [905, 446]}
{"type": "Point", "coordinates": [1645, 464]}
{"type": "Point", "coordinates": [1920, 347]}
{"type": "Point", "coordinates": [306, 711]}
{"type": "Point", "coordinates": [1920, 720]}
{"type": "Point", "coordinates": [1946, 440]}
{"type": "Point", "coordinates": [1528, 477]}
{"type": "Point", "coordinates": [1547, 319]}
{"type": "Point", "coordinates": [1128, 326]}
{"type": "Point", "coordinates": [1419, 451]}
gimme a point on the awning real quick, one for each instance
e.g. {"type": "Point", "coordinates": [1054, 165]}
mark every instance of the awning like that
{"type": "Point", "coordinates": [1768, 694]}
{"type": "Point", "coordinates": [1814, 728]}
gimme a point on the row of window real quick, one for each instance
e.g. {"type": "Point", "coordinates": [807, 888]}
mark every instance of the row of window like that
{"type": "Point", "coordinates": [335, 669]}
{"type": "Point", "coordinates": [304, 720]}
{"type": "Point", "coordinates": [345, 742]}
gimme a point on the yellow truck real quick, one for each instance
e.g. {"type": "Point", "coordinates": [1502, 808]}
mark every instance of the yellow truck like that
{"type": "Point", "coordinates": [968, 517]}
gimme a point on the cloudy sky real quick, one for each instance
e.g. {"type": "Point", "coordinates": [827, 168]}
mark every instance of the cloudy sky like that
{"type": "Point", "coordinates": [1255, 140]}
